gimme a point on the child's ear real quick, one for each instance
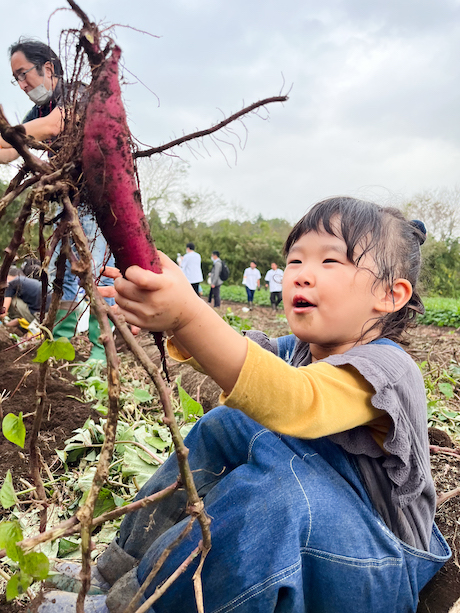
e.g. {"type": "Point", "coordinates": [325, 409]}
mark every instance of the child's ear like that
{"type": "Point", "coordinates": [391, 300]}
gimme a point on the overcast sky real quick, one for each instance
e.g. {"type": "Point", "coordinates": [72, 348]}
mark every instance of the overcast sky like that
{"type": "Point", "coordinates": [373, 109]}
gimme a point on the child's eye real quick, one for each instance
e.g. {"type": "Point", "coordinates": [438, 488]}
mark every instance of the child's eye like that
{"type": "Point", "coordinates": [294, 262]}
{"type": "Point", "coordinates": [330, 261]}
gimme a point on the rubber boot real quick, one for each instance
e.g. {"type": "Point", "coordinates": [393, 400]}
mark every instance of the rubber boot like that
{"type": "Point", "coordinates": [94, 332]}
{"type": "Point", "coordinates": [67, 327]}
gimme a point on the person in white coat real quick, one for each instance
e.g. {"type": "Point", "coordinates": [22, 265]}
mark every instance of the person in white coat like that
{"type": "Point", "coordinates": [251, 279]}
{"type": "Point", "coordinates": [191, 267]}
{"type": "Point", "coordinates": [274, 281]}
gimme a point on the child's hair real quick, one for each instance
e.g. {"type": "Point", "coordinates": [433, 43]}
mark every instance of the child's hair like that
{"type": "Point", "coordinates": [384, 232]}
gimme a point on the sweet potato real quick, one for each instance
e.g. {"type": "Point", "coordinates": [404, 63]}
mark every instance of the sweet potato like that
{"type": "Point", "coordinates": [109, 174]}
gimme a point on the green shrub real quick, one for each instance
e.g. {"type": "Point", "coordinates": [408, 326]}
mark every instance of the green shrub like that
{"type": "Point", "coordinates": [441, 312]}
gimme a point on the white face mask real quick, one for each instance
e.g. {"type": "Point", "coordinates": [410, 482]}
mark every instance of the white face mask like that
{"type": "Point", "coordinates": [40, 95]}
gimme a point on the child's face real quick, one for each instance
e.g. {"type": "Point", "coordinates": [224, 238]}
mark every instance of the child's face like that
{"type": "Point", "coordinates": [328, 301]}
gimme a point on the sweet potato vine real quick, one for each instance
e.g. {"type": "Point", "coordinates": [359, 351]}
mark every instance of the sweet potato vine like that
{"type": "Point", "coordinates": [93, 168]}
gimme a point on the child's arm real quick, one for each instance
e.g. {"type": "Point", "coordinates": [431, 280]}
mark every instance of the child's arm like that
{"type": "Point", "coordinates": [168, 302]}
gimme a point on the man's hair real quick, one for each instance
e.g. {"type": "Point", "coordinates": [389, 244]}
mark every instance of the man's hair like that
{"type": "Point", "coordinates": [216, 253]}
{"type": "Point", "coordinates": [190, 246]}
{"type": "Point", "coordinates": [31, 268]}
{"type": "Point", "coordinates": [37, 53]}
{"type": "Point", "coordinates": [14, 271]}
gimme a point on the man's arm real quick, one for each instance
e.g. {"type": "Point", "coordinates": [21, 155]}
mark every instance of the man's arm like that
{"type": "Point", "coordinates": [42, 128]}
{"type": "Point", "coordinates": [8, 155]}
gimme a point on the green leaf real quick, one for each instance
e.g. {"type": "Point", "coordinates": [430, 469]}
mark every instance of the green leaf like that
{"type": "Point", "coordinates": [36, 565]}
{"type": "Point", "coordinates": [44, 352]}
{"type": "Point", "coordinates": [62, 455]}
{"type": "Point", "coordinates": [13, 429]}
{"type": "Point", "coordinates": [157, 442]}
{"type": "Point", "coordinates": [61, 349]}
{"type": "Point", "coordinates": [134, 465]}
{"type": "Point", "coordinates": [86, 479]}
{"type": "Point", "coordinates": [10, 534]}
{"type": "Point", "coordinates": [17, 585]}
{"type": "Point", "coordinates": [67, 546]}
{"type": "Point", "coordinates": [142, 395]}
{"type": "Point", "coordinates": [7, 493]}
{"type": "Point", "coordinates": [446, 389]}
{"type": "Point", "coordinates": [451, 414]}
{"type": "Point", "coordinates": [104, 502]}
{"type": "Point", "coordinates": [186, 429]}
{"type": "Point", "coordinates": [188, 404]}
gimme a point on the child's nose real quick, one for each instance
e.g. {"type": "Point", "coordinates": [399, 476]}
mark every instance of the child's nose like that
{"type": "Point", "coordinates": [305, 276]}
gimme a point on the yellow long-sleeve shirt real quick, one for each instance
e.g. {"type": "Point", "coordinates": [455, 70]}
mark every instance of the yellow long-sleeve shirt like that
{"type": "Point", "coordinates": [306, 402]}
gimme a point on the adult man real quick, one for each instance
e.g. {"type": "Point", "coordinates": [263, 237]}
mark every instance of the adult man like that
{"type": "Point", "coordinates": [38, 72]}
{"type": "Point", "coordinates": [23, 297]}
{"type": "Point", "coordinates": [251, 279]}
{"type": "Point", "coordinates": [191, 267]}
{"type": "Point", "coordinates": [274, 278]}
{"type": "Point", "coordinates": [216, 281]}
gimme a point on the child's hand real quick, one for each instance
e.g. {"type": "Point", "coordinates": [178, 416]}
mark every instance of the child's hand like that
{"type": "Point", "coordinates": [156, 302]}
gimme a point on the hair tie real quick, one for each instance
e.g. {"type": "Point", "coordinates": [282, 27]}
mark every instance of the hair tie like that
{"type": "Point", "coordinates": [420, 226]}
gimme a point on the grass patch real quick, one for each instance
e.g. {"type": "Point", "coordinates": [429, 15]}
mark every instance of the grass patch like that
{"type": "Point", "coordinates": [237, 293]}
{"type": "Point", "coordinates": [441, 312]}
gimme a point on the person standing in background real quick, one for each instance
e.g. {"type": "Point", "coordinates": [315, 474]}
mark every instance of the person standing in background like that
{"type": "Point", "coordinates": [191, 267]}
{"type": "Point", "coordinates": [274, 278]}
{"type": "Point", "coordinates": [215, 280]}
{"type": "Point", "coordinates": [251, 279]}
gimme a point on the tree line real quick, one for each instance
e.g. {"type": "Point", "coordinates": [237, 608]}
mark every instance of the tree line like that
{"type": "Point", "coordinates": [240, 241]}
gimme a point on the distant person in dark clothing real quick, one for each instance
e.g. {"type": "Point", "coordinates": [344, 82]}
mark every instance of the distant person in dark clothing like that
{"type": "Point", "coordinates": [216, 281]}
{"type": "Point", "coordinates": [23, 297]}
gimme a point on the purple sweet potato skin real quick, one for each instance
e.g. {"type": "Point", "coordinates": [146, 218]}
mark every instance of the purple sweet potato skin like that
{"type": "Point", "coordinates": [109, 173]}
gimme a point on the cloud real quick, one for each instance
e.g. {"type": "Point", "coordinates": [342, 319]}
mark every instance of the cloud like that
{"type": "Point", "coordinates": [374, 101]}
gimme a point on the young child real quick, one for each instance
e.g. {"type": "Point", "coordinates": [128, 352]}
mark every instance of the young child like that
{"type": "Point", "coordinates": [316, 472]}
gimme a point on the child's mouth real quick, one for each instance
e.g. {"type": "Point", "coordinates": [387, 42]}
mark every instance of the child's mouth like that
{"type": "Point", "coordinates": [300, 303]}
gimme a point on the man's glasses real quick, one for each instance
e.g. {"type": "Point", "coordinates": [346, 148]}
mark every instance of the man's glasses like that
{"type": "Point", "coordinates": [19, 78]}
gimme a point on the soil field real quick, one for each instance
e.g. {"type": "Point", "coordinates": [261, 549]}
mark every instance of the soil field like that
{"type": "Point", "coordinates": [65, 413]}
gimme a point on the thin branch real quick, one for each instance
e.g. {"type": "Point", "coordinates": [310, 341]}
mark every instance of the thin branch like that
{"type": "Point", "coordinates": [201, 133]}
{"type": "Point", "coordinates": [196, 506]}
{"type": "Point", "coordinates": [160, 590]}
{"type": "Point", "coordinates": [158, 564]}
{"type": "Point", "coordinates": [8, 198]}
{"type": "Point", "coordinates": [11, 250]}
{"type": "Point", "coordinates": [85, 514]}
{"type": "Point", "coordinates": [445, 450]}
{"type": "Point", "coordinates": [442, 498]}
{"type": "Point", "coordinates": [72, 525]}
{"type": "Point", "coordinates": [16, 136]}
{"type": "Point", "coordinates": [34, 455]}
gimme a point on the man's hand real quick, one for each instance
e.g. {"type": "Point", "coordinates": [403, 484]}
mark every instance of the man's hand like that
{"type": "Point", "coordinates": [8, 155]}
